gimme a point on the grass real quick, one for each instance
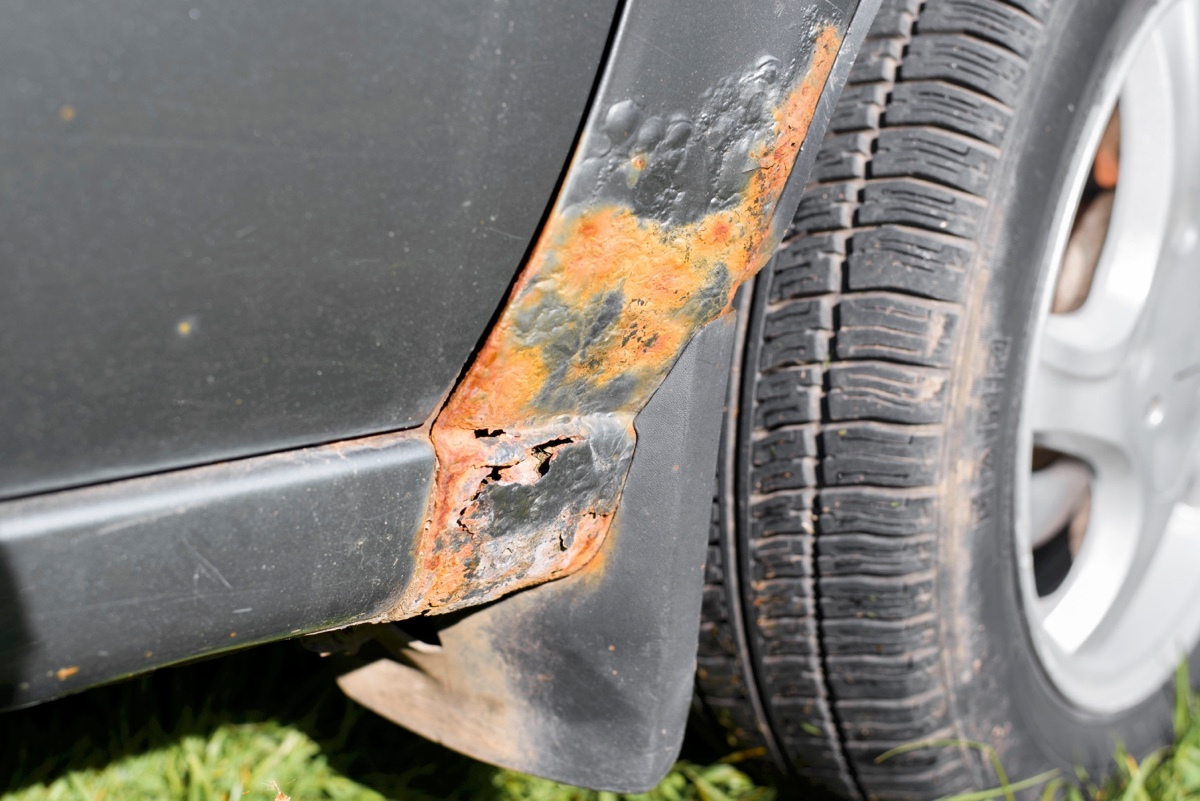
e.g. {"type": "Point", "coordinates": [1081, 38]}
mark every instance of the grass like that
{"type": "Point", "coordinates": [269, 723]}
{"type": "Point", "coordinates": [1168, 774]}
{"type": "Point", "coordinates": [264, 723]}
{"type": "Point", "coordinates": [1171, 773]}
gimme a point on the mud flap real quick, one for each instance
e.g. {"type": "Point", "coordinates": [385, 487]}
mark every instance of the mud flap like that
{"type": "Point", "coordinates": [587, 679]}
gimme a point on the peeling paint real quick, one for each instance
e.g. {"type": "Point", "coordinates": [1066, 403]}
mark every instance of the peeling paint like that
{"type": "Point", "coordinates": [660, 221]}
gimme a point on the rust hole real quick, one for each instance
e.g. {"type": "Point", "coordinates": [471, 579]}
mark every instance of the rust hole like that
{"type": "Point", "coordinates": [545, 452]}
{"type": "Point", "coordinates": [488, 433]}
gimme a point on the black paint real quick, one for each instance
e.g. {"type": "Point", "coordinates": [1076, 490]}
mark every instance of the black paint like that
{"type": "Point", "coordinates": [126, 577]}
{"type": "Point", "coordinates": [232, 227]}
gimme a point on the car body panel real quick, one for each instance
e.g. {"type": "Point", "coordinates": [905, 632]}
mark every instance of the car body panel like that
{"type": "Point", "coordinates": [550, 519]}
{"type": "Point", "coordinates": [587, 679]}
{"type": "Point", "coordinates": [233, 228]}
{"type": "Point", "coordinates": [670, 203]}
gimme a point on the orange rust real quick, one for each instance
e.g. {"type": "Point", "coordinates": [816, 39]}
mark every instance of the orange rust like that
{"type": "Point", "coordinates": [582, 256]}
{"type": "Point", "coordinates": [669, 281]}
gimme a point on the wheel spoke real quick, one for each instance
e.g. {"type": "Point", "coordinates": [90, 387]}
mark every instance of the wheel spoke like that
{"type": "Point", "coordinates": [1082, 416]}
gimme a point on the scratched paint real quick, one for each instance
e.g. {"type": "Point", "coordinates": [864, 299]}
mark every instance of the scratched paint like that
{"type": "Point", "coordinates": [534, 444]}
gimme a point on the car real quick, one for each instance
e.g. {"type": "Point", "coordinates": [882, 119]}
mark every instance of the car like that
{"type": "Point", "coordinates": [827, 371]}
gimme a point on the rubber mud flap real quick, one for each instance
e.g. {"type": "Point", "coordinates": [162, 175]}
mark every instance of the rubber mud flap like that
{"type": "Point", "coordinates": [587, 679]}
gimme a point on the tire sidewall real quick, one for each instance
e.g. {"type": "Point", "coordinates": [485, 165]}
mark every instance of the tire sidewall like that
{"type": "Point", "coordinates": [1001, 693]}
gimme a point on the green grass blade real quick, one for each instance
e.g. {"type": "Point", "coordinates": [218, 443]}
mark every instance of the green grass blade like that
{"type": "Point", "coordinates": [1070, 792]}
{"type": "Point", "coordinates": [1008, 791]}
{"type": "Point", "coordinates": [984, 748]}
{"type": "Point", "coordinates": [1185, 700]}
{"type": "Point", "coordinates": [922, 744]}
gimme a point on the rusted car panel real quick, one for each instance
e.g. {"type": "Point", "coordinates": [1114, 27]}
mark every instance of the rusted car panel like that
{"type": "Point", "coordinates": [587, 679]}
{"type": "Point", "coordinates": [664, 213]}
{"type": "Point", "coordinates": [579, 446]}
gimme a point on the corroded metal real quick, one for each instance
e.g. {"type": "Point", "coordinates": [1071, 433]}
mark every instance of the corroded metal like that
{"type": "Point", "coordinates": [660, 220]}
{"type": "Point", "coordinates": [588, 679]}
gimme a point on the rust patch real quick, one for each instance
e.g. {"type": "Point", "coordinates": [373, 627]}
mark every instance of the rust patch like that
{"type": "Point", "coordinates": [535, 442]}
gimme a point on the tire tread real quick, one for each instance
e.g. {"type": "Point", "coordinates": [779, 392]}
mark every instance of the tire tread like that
{"type": "Point", "coordinates": [860, 314]}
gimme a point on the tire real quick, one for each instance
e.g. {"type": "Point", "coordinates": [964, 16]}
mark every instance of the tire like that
{"type": "Point", "coordinates": [861, 586]}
